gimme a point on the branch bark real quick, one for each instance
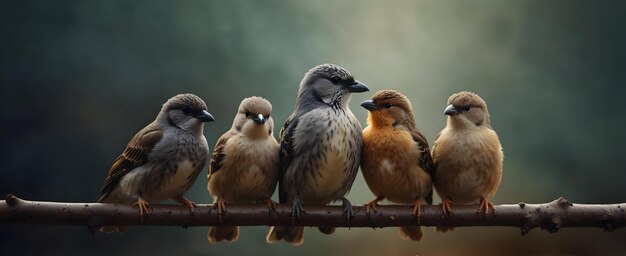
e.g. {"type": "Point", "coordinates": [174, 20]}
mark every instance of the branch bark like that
{"type": "Point", "coordinates": [551, 216]}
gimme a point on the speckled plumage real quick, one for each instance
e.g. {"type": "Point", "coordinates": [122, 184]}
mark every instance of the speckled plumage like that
{"type": "Point", "coordinates": [163, 159]}
{"type": "Point", "coordinates": [320, 145]}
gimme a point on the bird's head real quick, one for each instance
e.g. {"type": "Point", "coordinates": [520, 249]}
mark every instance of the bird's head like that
{"type": "Point", "coordinates": [331, 84]}
{"type": "Point", "coordinates": [467, 109]}
{"type": "Point", "coordinates": [253, 117]}
{"type": "Point", "coordinates": [389, 108]}
{"type": "Point", "coordinates": [186, 111]}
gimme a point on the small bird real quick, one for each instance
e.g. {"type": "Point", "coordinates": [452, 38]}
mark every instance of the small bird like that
{"type": "Point", "coordinates": [162, 160]}
{"type": "Point", "coordinates": [320, 147]}
{"type": "Point", "coordinates": [244, 166]}
{"type": "Point", "coordinates": [396, 161]}
{"type": "Point", "coordinates": [467, 155]}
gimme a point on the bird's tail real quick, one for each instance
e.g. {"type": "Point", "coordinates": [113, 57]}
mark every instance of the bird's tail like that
{"type": "Point", "coordinates": [414, 233]}
{"type": "Point", "coordinates": [444, 229]}
{"type": "Point", "coordinates": [326, 229]}
{"type": "Point", "coordinates": [292, 235]}
{"type": "Point", "coordinates": [218, 234]}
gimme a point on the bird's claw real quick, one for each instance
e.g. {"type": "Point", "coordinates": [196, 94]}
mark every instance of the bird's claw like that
{"type": "Point", "coordinates": [417, 210]}
{"type": "Point", "coordinates": [347, 209]}
{"type": "Point", "coordinates": [143, 206]}
{"type": "Point", "coordinates": [372, 205]}
{"type": "Point", "coordinates": [296, 209]}
{"type": "Point", "coordinates": [186, 202]}
{"type": "Point", "coordinates": [484, 207]}
{"type": "Point", "coordinates": [271, 205]}
{"type": "Point", "coordinates": [446, 206]}
{"type": "Point", "coordinates": [220, 204]}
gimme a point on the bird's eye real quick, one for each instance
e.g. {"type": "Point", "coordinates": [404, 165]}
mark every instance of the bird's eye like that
{"type": "Point", "coordinates": [388, 105]}
{"type": "Point", "coordinates": [467, 108]}
{"type": "Point", "coordinates": [247, 113]}
{"type": "Point", "coordinates": [186, 109]}
{"type": "Point", "coordinates": [334, 79]}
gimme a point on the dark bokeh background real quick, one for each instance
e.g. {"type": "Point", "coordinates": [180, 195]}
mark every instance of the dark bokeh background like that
{"type": "Point", "coordinates": [79, 78]}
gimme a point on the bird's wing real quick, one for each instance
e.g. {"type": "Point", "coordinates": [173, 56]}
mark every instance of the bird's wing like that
{"type": "Point", "coordinates": [218, 153]}
{"type": "Point", "coordinates": [286, 153]}
{"type": "Point", "coordinates": [426, 160]}
{"type": "Point", "coordinates": [134, 155]}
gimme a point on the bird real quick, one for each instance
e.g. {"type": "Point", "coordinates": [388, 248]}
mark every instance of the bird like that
{"type": "Point", "coordinates": [320, 147]}
{"type": "Point", "coordinates": [396, 161]}
{"type": "Point", "coordinates": [162, 160]}
{"type": "Point", "coordinates": [244, 164]}
{"type": "Point", "coordinates": [467, 155]}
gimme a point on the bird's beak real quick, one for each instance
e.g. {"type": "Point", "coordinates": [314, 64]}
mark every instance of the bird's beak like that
{"type": "Point", "coordinates": [369, 105]}
{"type": "Point", "coordinates": [205, 116]}
{"type": "Point", "coordinates": [451, 111]}
{"type": "Point", "coordinates": [259, 119]}
{"type": "Point", "coordinates": [358, 87]}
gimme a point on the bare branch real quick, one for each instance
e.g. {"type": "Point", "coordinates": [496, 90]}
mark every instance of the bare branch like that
{"type": "Point", "coordinates": [551, 216]}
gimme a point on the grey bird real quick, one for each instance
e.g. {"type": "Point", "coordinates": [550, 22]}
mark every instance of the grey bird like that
{"type": "Point", "coordinates": [320, 147]}
{"type": "Point", "coordinates": [244, 166]}
{"type": "Point", "coordinates": [162, 160]}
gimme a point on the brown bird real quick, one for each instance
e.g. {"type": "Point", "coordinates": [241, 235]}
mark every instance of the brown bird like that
{"type": "Point", "coordinates": [396, 161]}
{"type": "Point", "coordinates": [320, 147]}
{"type": "Point", "coordinates": [467, 155]}
{"type": "Point", "coordinates": [244, 166]}
{"type": "Point", "coordinates": [162, 160]}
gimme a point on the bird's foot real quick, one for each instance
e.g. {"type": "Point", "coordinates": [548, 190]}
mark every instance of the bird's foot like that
{"type": "Point", "coordinates": [484, 207]}
{"type": "Point", "coordinates": [143, 206]}
{"type": "Point", "coordinates": [372, 205]}
{"type": "Point", "coordinates": [271, 205]}
{"type": "Point", "coordinates": [446, 206]}
{"type": "Point", "coordinates": [220, 205]}
{"type": "Point", "coordinates": [417, 210]}
{"type": "Point", "coordinates": [347, 209]}
{"type": "Point", "coordinates": [296, 209]}
{"type": "Point", "coordinates": [186, 202]}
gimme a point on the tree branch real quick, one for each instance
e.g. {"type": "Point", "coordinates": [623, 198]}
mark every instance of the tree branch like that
{"type": "Point", "coordinates": [551, 216]}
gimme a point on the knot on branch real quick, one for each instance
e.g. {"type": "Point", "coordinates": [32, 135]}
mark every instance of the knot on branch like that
{"type": "Point", "coordinates": [12, 200]}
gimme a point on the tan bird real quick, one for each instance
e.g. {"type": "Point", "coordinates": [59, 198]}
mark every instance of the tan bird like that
{"type": "Point", "coordinates": [467, 155]}
{"type": "Point", "coordinates": [162, 160]}
{"type": "Point", "coordinates": [244, 166]}
{"type": "Point", "coordinates": [396, 161]}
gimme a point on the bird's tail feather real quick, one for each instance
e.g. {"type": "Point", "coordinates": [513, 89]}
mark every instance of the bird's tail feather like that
{"type": "Point", "coordinates": [292, 235]}
{"type": "Point", "coordinates": [218, 234]}
{"type": "Point", "coordinates": [414, 233]}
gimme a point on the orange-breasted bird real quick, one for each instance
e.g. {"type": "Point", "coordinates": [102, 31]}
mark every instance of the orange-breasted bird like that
{"type": "Point", "coordinates": [467, 154]}
{"type": "Point", "coordinates": [396, 161]}
{"type": "Point", "coordinates": [244, 166]}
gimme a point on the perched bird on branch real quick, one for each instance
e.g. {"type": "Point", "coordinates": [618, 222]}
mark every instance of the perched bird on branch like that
{"type": "Point", "coordinates": [467, 155]}
{"type": "Point", "coordinates": [244, 166]}
{"type": "Point", "coordinates": [320, 147]}
{"type": "Point", "coordinates": [162, 160]}
{"type": "Point", "coordinates": [396, 161]}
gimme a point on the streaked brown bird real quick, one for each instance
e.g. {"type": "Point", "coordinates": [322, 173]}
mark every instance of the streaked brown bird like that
{"type": "Point", "coordinates": [244, 166]}
{"type": "Point", "coordinates": [320, 147]}
{"type": "Point", "coordinates": [162, 160]}
{"type": "Point", "coordinates": [467, 154]}
{"type": "Point", "coordinates": [396, 161]}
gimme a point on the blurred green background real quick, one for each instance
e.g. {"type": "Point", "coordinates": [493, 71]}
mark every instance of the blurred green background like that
{"type": "Point", "coordinates": [79, 78]}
